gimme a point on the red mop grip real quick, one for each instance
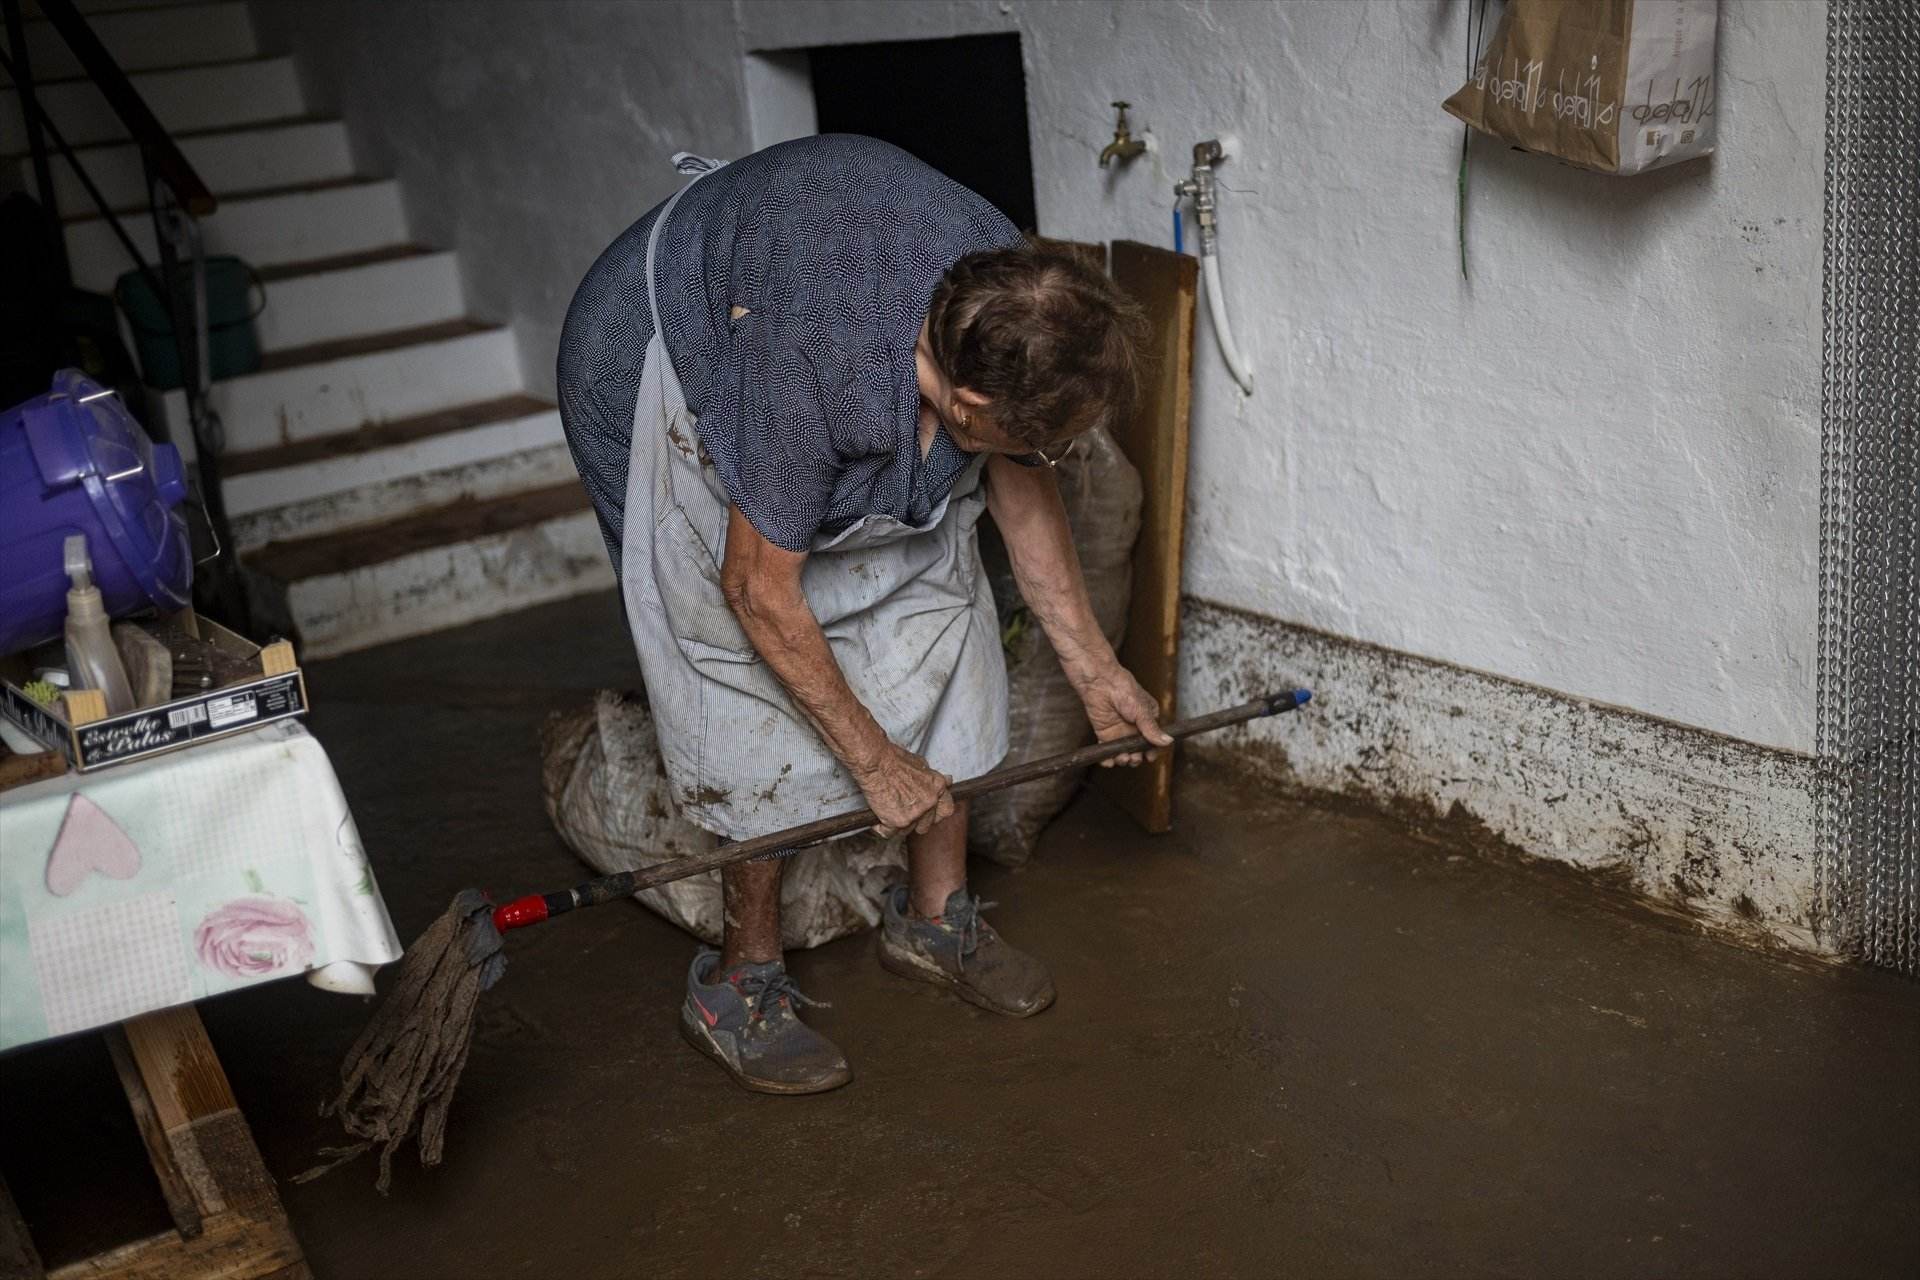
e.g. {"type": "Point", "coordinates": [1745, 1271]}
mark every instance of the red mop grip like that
{"type": "Point", "coordinates": [531, 909]}
{"type": "Point", "coordinates": [536, 907]}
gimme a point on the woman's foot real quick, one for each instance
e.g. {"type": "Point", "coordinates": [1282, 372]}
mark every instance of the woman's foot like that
{"type": "Point", "coordinates": [745, 1020]}
{"type": "Point", "coordinates": [958, 950]}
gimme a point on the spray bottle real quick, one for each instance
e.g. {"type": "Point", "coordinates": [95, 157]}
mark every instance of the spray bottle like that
{"type": "Point", "coordinates": [92, 660]}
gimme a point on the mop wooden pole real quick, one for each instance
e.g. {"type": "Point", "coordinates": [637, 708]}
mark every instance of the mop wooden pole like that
{"type": "Point", "coordinates": [537, 907]}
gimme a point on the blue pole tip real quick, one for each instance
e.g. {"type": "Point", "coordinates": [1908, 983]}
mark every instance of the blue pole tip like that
{"type": "Point", "coordinates": [1301, 697]}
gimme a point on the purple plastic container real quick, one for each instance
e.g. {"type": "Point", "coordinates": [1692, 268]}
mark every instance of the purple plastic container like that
{"type": "Point", "coordinates": [75, 461]}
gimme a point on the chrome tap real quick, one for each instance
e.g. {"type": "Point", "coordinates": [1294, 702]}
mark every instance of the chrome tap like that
{"type": "Point", "coordinates": [1199, 188]}
{"type": "Point", "coordinates": [1124, 145]}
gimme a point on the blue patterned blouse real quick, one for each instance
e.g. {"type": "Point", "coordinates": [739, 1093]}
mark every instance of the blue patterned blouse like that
{"type": "Point", "coordinates": [808, 404]}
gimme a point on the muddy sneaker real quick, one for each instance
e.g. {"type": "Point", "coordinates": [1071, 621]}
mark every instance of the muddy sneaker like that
{"type": "Point", "coordinates": [745, 1021]}
{"type": "Point", "coordinates": [959, 950]}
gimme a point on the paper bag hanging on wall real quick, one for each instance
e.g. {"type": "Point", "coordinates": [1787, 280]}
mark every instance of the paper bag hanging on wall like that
{"type": "Point", "coordinates": [1613, 85]}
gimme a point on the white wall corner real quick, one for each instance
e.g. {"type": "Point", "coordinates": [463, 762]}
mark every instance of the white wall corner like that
{"type": "Point", "coordinates": [779, 88]}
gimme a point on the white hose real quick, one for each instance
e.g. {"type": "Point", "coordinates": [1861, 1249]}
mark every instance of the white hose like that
{"type": "Point", "coordinates": [1217, 308]}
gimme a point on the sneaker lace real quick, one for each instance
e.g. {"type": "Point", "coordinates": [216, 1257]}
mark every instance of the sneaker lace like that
{"type": "Point", "coordinates": [967, 923]}
{"type": "Point", "coordinates": [765, 991]}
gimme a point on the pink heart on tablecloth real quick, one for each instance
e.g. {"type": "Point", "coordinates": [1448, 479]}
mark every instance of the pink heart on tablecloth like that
{"type": "Point", "coordinates": [89, 841]}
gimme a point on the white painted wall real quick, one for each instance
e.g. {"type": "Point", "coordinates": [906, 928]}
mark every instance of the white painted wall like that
{"type": "Point", "coordinates": [527, 133]}
{"type": "Point", "coordinates": [780, 103]}
{"type": "Point", "coordinates": [1595, 467]}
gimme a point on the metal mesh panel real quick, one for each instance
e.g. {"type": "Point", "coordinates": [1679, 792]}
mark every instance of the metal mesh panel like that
{"type": "Point", "coordinates": [1869, 682]}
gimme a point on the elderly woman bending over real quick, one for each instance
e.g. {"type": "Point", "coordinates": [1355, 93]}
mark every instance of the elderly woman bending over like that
{"type": "Point", "coordinates": [792, 390]}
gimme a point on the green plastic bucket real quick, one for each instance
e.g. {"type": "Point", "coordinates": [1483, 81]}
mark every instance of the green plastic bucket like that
{"type": "Point", "coordinates": [232, 347]}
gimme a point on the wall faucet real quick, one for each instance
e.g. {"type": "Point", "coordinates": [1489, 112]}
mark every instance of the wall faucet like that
{"type": "Point", "coordinates": [1200, 189]}
{"type": "Point", "coordinates": [1124, 145]}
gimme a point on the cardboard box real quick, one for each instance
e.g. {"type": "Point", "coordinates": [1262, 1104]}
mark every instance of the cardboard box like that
{"type": "Point", "coordinates": [79, 728]}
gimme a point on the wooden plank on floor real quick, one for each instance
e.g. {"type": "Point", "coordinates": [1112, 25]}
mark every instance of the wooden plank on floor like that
{"type": "Point", "coordinates": [231, 1248]}
{"type": "Point", "coordinates": [244, 1230]}
{"type": "Point", "coordinates": [1167, 285]}
{"type": "Point", "coordinates": [182, 1203]}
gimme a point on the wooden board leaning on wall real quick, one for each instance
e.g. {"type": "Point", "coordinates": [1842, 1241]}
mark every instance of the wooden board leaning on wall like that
{"type": "Point", "coordinates": [1167, 287]}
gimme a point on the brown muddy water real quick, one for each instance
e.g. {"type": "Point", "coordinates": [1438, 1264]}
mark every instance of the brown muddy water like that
{"type": "Point", "coordinates": [1288, 1042]}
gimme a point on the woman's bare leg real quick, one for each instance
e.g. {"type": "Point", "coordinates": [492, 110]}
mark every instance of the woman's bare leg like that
{"type": "Point", "coordinates": [937, 863]}
{"type": "Point", "coordinates": [751, 894]}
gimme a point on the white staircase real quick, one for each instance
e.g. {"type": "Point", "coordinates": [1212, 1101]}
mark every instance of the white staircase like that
{"type": "Point", "coordinates": [387, 473]}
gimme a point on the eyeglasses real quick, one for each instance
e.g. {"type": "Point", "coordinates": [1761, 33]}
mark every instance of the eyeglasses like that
{"type": "Point", "coordinates": [1052, 455]}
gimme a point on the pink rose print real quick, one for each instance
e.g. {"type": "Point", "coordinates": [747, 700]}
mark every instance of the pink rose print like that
{"type": "Point", "coordinates": [254, 938]}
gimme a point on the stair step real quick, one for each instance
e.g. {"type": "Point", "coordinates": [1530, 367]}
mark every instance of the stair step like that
{"type": "Point", "coordinates": [321, 390]}
{"type": "Point", "coordinates": [394, 469]}
{"type": "Point", "coordinates": [317, 220]}
{"type": "Point", "coordinates": [364, 344]}
{"type": "Point", "coordinates": [398, 287]}
{"type": "Point", "coordinates": [429, 484]}
{"type": "Point", "coordinates": [185, 99]}
{"type": "Point", "coordinates": [91, 7]}
{"type": "Point", "coordinates": [241, 126]}
{"type": "Point", "coordinates": [149, 37]}
{"type": "Point", "coordinates": [102, 6]}
{"type": "Point", "coordinates": [343, 261]}
{"type": "Point", "coordinates": [429, 571]}
{"type": "Point", "coordinates": [106, 6]}
{"type": "Point", "coordinates": [136, 212]}
{"type": "Point", "coordinates": [233, 159]}
{"type": "Point", "coordinates": [384, 435]}
{"type": "Point", "coordinates": [423, 531]}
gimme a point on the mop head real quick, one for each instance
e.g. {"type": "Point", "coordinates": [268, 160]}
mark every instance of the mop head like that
{"type": "Point", "coordinates": [399, 1077]}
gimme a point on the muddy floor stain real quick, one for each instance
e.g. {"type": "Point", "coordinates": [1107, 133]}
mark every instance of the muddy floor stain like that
{"type": "Point", "coordinates": [1288, 1041]}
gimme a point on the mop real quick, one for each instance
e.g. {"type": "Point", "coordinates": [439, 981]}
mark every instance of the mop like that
{"type": "Point", "coordinates": [400, 1075]}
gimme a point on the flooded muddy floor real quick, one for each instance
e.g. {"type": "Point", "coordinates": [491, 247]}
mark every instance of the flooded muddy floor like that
{"type": "Point", "coordinates": [1287, 1042]}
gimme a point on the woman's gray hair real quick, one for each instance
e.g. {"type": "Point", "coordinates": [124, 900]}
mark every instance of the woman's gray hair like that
{"type": "Point", "coordinates": [1048, 339]}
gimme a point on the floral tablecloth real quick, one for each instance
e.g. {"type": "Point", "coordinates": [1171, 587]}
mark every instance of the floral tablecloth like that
{"type": "Point", "coordinates": [157, 883]}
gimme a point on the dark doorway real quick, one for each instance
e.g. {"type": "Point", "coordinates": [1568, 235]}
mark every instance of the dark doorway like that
{"type": "Point", "coordinates": [959, 104]}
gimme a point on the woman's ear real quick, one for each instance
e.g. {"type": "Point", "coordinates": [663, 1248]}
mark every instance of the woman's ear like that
{"type": "Point", "coordinates": [969, 400]}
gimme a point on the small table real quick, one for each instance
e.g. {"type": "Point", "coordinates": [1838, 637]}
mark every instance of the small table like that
{"type": "Point", "coordinates": [129, 893]}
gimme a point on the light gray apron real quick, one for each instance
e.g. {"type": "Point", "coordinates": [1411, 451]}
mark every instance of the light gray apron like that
{"type": "Point", "coordinates": [906, 610]}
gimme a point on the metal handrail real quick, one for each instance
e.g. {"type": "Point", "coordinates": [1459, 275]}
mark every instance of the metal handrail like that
{"type": "Point", "coordinates": [38, 120]}
{"type": "Point", "coordinates": [163, 156]}
{"type": "Point", "coordinates": [178, 198]}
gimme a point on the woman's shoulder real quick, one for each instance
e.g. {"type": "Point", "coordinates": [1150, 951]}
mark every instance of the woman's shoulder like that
{"type": "Point", "coordinates": [867, 184]}
{"type": "Point", "coordinates": [843, 157]}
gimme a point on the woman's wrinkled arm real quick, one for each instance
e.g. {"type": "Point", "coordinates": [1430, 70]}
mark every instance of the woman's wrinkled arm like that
{"type": "Point", "coordinates": [1025, 504]}
{"type": "Point", "coordinates": [761, 582]}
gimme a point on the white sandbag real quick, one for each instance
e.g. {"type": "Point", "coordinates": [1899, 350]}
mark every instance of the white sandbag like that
{"type": "Point", "coordinates": [608, 796]}
{"type": "Point", "coordinates": [1102, 494]}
